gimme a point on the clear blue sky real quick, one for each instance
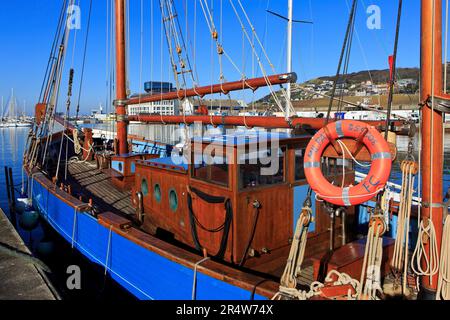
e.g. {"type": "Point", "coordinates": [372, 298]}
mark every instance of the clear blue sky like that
{"type": "Point", "coordinates": [27, 29]}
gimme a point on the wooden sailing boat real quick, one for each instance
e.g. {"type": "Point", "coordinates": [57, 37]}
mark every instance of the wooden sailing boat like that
{"type": "Point", "coordinates": [171, 230]}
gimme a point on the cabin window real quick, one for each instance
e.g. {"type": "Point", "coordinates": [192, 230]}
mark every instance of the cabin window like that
{"type": "Point", "coordinates": [215, 171]}
{"type": "Point", "coordinates": [173, 200]}
{"type": "Point", "coordinates": [257, 168]}
{"type": "Point", "coordinates": [157, 192]}
{"type": "Point", "coordinates": [299, 164]}
{"type": "Point", "coordinates": [334, 167]}
{"type": "Point", "coordinates": [144, 187]}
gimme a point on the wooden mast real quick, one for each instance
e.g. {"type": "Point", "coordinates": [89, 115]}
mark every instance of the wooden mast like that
{"type": "Point", "coordinates": [121, 90]}
{"type": "Point", "coordinates": [432, 127]}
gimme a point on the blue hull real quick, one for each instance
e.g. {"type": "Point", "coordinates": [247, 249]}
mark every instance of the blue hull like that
{"type": "Point", "coordinates": [144, 273]}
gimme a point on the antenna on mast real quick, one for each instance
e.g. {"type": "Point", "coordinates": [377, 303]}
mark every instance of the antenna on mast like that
{"type": "Point", "coordinates": [290, 21]}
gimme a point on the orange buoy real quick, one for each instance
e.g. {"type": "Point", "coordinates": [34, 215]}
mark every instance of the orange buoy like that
{"type": "Point", "coordinates": [379, 170]}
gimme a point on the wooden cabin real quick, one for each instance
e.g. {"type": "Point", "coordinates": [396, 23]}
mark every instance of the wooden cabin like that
{"type": "Point", "coordinates": [238, 213]}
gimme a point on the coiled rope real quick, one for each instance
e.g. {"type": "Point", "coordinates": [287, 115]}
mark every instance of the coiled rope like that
{"type": "Point", "coordinates": [399, 262]}
{"type": "Point", "coordinates": [426, 233]}
{"type": "Point", "coordinates": [443, 288]}
{"type": "Point", "coordinates": [334, 278]}
{"type": "Point", "coordinates": [370, 274]}
{"type": "Point", "coordinates": [297, 252]}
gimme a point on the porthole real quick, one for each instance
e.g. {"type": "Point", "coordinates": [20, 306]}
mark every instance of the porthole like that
{"type": "Point", "coordinates": [144, 187]}
{"type": "Point", "coordinates": [157, 192]}
{"type": "Point", "coordinates": [173, 200]}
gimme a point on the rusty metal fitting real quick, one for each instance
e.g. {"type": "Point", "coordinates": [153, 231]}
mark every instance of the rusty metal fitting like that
{"type": "Point", "coordinates": [306, 214]}
{"type": "Point", "coordinates": [379, 224]}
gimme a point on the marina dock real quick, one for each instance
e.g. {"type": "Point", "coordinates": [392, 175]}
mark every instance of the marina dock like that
{"type": "Point", "coordinates": [20, 277]}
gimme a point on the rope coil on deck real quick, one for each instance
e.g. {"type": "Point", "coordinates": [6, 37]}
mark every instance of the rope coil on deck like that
{"type": "Point", "coordinates": [333, 279]}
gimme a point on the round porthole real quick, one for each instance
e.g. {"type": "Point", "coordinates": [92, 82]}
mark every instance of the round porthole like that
{"type": "Point", "coordinates": [144, 187]}
{"type": "Point", "coordinates": [173, 200]}
{"type": "Point", "coordinates": [157, 192]}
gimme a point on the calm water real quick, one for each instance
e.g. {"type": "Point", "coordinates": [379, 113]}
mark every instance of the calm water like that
{"type": "Point", "coordinates": [60, 256]}
{"type": "Point", "coordinates": [45, 243]}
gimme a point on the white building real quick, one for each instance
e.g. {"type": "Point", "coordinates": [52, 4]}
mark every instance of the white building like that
{"type": "Point", "coordinates": [164, 107]}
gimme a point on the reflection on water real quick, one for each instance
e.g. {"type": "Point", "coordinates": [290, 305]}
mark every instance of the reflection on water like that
{"type": "Point", "coordinates": [43, 241]}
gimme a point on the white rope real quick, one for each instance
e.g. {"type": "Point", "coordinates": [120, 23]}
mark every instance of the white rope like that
{"type": "Point", "coordinates": [78, 147]}
{"type": "Point", "coordinates": [443, 288]}
{"type": "Point", "coordinates": [76, 143]}
{"type": "Point", "coordinates": [370, 282]}
{"type": "Point", "coordinates": [212, 28]}
{"type": "Point", "coordinates": [351, 155]}
{"type": "Point", "coordinates": [91, 255]}
{"type": "Point", "coordinates": [108, 249]}
{"type": "Point", "coordinates": [283, 91]}
{"type": "Point", "coordinates": [297, 252]}
{"type": "Point", "coordinates": [400, 259]}
{"type": "Point", "coordinates": [261, 66]}
{"type": "Point", "coordinates": [432, 261]}
{"type": "Point", "coordinates": [316, 286]}
{"type": "Point", "coordinates": [76, 208]}
{"type": "Point", "coordinates": [32, 183]}
{"type": "Point", "coordinates": [194, 282]}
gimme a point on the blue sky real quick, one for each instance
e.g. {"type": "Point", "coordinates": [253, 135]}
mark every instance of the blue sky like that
{"type": "Point", "coordinates": [27, 29]}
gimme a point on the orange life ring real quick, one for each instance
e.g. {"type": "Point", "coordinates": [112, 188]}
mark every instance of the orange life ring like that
{"type": "Point", "coordinates": [376, 178]}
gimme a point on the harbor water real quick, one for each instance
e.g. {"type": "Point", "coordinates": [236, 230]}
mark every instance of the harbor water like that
{"type": "Point", "coordinates": [44, 242]}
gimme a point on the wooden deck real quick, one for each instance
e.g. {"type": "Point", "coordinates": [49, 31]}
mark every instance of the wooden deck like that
{"type": "Point", "coordinates": [91, 183]}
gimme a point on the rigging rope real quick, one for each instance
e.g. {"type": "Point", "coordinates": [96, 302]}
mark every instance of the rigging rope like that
{"type": "Point", "coordinates": [427, 232]}
{"type": "Point", "coordinates": [69, 96]}
{"type": "Point", "coordinates": [373, 255]}
{"type": "Point", "coordinates": [296, 254]}
{"type": "Point", "coordinates": [400, 260]}
{"type": "Point", "coordinates": [261, 66]}
{"type": "Point", "coordinates": [350, 26]}
{"type": "Point", "coordinates": [394, 66]}
{"type": "Point", "coordinates": [443, 288]}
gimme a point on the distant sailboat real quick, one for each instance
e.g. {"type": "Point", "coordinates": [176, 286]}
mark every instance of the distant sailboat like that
{"type": "Point", "coordinates": [12, 119]}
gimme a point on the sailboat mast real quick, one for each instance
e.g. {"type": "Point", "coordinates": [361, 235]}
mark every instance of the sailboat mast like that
{"type": "Point", "coordinates": [121, 92]}
{"type": "Point", "coordinates": [289, 55]}
{"type": "Point", "coordinates": [432, 126]}
{"type": "Point", "coordinates": [12, 107]}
